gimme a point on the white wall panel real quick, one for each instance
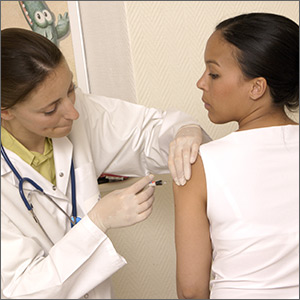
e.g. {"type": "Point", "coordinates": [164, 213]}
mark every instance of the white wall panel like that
{"type": "Point", "coordinates": [107, 49]}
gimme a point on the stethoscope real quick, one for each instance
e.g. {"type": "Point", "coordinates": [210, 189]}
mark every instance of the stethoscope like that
{"type": "Point", "coordinates": [74, 219]}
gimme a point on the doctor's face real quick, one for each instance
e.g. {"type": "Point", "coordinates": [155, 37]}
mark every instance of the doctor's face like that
{"type": "Point", "coordinates": [48, 110]}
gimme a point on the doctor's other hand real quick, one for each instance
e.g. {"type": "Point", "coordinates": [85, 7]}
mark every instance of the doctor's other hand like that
{"type": "Point", "coordinates": [124, 207]}
{"type": "Point", "coordinates": [183, 152]}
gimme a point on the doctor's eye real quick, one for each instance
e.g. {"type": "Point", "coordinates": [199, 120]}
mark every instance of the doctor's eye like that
{"type": "Point", "coordinates": [51, 112]}
{"type": "Point", "coordinates": [213, 76]}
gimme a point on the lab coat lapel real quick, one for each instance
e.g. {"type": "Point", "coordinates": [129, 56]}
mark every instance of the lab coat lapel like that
{"type": "Point", "coordinates": [25, 170]}
{"type": "Point", "coordinates": [62, 150]}
{"type": "Point", "coordinates": [5, 169]}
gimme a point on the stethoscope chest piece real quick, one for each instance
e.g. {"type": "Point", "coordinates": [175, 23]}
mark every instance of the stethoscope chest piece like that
{"type": "Point", "coordinates": [74, 221]}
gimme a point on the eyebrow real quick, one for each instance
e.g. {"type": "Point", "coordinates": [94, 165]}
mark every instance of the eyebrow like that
{"type": "Point", "coordinates": [210, 61]}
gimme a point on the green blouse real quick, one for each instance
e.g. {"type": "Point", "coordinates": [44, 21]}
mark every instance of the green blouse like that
{"type": "Point", "coordinates": [42, 163]}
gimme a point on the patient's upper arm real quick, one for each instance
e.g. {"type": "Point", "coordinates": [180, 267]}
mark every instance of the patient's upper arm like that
{"type": "Point", "coordinates": [193, 247]}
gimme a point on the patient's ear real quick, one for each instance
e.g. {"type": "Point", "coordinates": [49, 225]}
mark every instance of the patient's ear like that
{"type": "Point", "coordinates": [6, 114]}
{"type": "Point", "coordinates": [258, 88]}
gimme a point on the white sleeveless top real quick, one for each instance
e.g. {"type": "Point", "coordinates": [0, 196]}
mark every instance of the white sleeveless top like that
{"type": "Point", "coordinates": [253, 208]}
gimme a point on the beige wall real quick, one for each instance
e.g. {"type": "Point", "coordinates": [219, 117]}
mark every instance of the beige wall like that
{"type": "Point", "coordinates": [12, 16]}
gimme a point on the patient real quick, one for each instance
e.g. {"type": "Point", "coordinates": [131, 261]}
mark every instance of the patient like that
{"type": "Point", "coordinates": [237, 219]}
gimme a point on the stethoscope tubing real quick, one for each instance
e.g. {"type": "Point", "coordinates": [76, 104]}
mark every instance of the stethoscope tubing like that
{"type": "Point", "coordinates": [73, 191]}
{"type": "Point", "coordinates": [74, 219]}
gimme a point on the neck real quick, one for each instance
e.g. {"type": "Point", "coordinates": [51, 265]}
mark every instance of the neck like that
{"type": "Point", "coordinates": [260, 118]}
{"type": "Point", "coordinates": [30, 141]}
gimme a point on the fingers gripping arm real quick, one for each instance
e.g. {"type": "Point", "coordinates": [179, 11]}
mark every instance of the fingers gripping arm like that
{"type": "Point", "coordinates": [183, 151]}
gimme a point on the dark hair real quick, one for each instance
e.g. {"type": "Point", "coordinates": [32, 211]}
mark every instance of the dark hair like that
{"type": "Point", "coordinates": [27, 58]}
{"type": "Point", "coordinates": [268, 47]}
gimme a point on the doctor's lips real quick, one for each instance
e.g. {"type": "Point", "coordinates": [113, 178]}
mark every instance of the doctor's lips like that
{"type": "Point", "coordinates": [157, 182]}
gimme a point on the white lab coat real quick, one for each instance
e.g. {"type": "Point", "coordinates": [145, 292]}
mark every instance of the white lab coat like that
{"type": "Point", "coordinates": [111, 136]}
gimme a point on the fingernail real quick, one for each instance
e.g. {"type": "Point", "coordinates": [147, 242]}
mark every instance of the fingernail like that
{"type": "Point", "coordinates": [176, 181]}
{"type": "Point", "coordinates": [187, 175]}
{"type": "Point", "coordinates": [182, 181]}
{"type": "Point", "coordinates": [193, 159]}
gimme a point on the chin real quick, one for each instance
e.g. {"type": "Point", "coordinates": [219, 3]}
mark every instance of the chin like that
{"type": "Point", "coordinates": [60, 132]}
{"type": "Point", "coordinates": [218, 120]}
{"type": "Point", "coordinates": [213, 120]}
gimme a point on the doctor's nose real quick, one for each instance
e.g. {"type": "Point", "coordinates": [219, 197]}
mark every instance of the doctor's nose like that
{"type": "Point", "coordinates": [70, 112]}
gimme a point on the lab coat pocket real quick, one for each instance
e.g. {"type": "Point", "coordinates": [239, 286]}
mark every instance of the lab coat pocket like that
{"type": "Point", "coordinates": [87, 190]}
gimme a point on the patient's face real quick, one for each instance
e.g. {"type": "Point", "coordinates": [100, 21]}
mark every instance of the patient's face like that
{"type": "Point", "coordinates": [223, 84]}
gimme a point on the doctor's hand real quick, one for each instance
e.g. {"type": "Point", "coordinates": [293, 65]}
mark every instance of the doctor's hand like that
{"type": "Point", "coordinates": [124, 207]}
{"type": "Point", "coordinates": [183, 152]}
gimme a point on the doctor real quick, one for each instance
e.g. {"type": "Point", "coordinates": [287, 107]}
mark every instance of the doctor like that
{"type": "Point", "coordinates": [55, 142]}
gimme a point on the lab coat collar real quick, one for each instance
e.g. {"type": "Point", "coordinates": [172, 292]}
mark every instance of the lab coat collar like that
{"type": "Point", "coordinates": [4, 167]}
{"type": "Point", "coordinates": [62, 151]}
{"type": "Point", "coordinates": [25, 170]}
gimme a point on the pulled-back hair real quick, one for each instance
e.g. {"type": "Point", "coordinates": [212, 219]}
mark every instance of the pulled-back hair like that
{"type": "Point", "coordinates": [268, 46]}
{"type": "Point", "coordinates": [27, 58]}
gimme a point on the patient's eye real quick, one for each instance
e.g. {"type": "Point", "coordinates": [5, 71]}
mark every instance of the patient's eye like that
{"type": "Point", "coordinates": [213, 76]}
